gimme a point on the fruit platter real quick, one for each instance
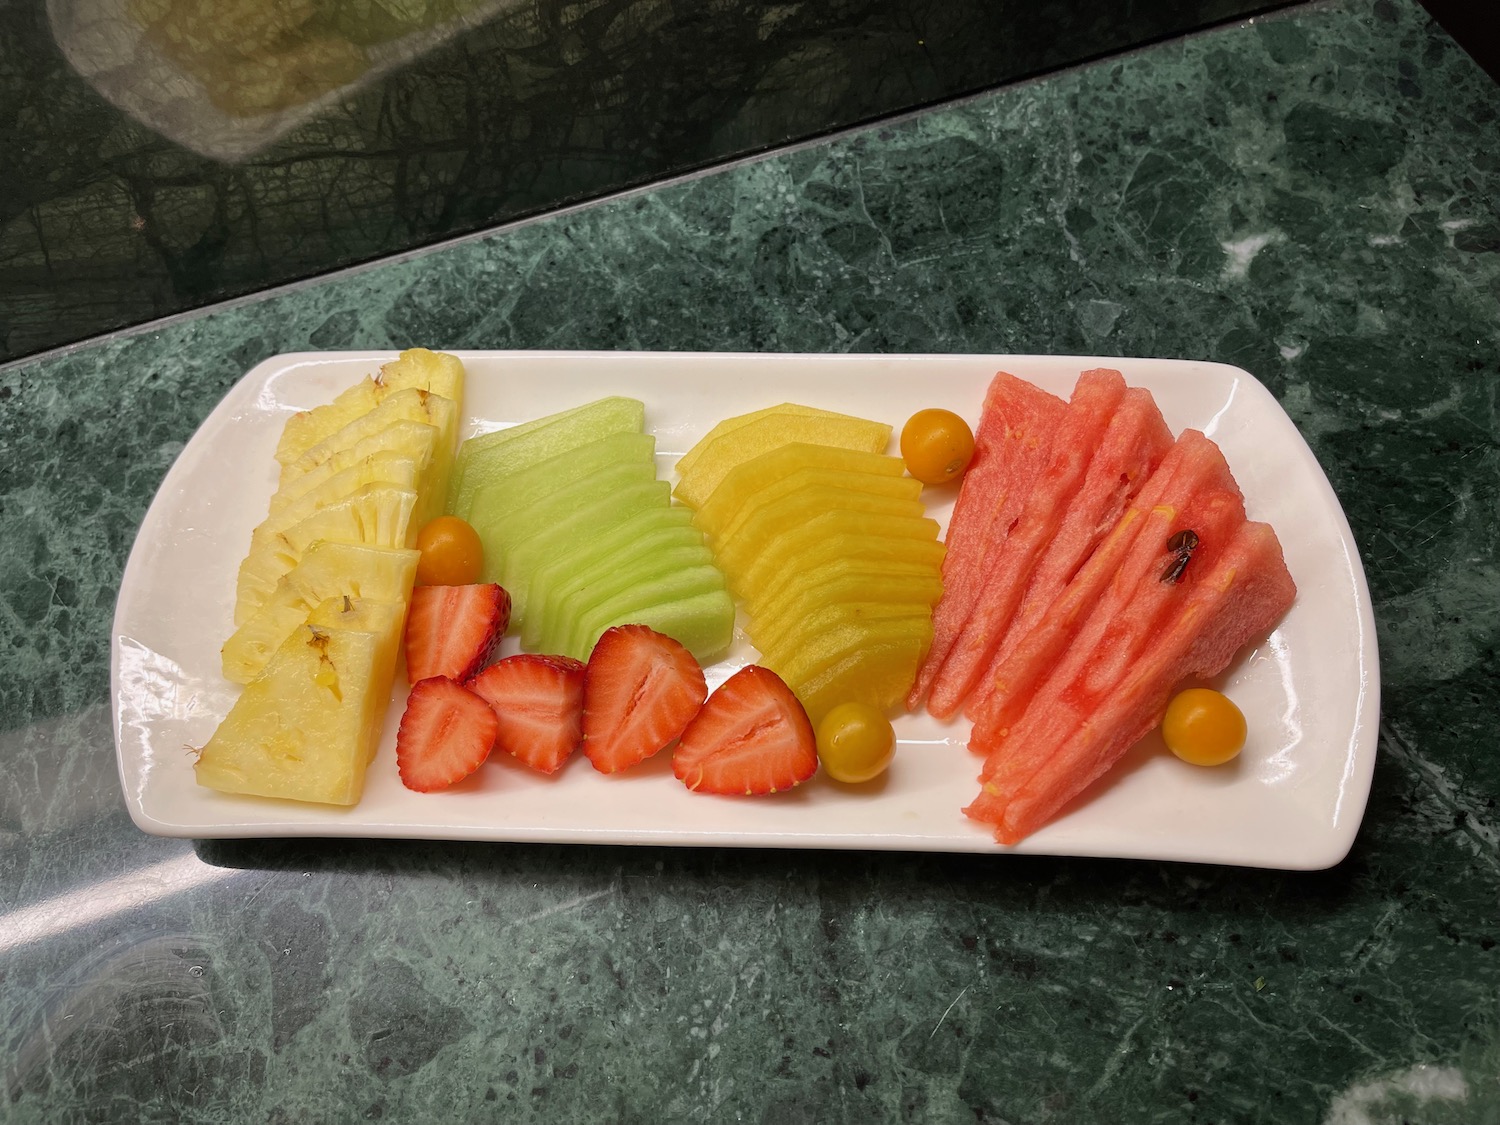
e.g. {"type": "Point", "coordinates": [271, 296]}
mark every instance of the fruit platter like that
{"type": "Point", "coordinates": [759, 526]}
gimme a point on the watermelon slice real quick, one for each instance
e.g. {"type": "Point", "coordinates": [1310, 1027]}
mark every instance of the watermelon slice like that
{"type": "Point", "coordinates": [1238, 599]}
{"type": "Point", "coordinates": [1133, 447]}
{"type": "Point", "coordinates": [1121, 577]}
{"type": "Point", "coordinates": [1010, 562]}
{"type": "Point", "coordinates": [1115, 634]}
{"type": "Point", "coordinates": [1011, 449]}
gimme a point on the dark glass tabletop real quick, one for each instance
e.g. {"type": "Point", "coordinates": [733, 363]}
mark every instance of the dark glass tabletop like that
{"type": "Point", "coordinates": [168, 154]}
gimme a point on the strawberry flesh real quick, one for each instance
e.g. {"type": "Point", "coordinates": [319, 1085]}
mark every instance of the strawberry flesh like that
{"type": "Point", "coordinates": [446, 733]}
{"type": "Point", "coordinates": [751, 737]}
{"type": "Point", "coordinates": [641, 688]}
{"type": "Point", "coordinates": [452, 631]}
{"type": "Point", "coordinates": [538, 702]}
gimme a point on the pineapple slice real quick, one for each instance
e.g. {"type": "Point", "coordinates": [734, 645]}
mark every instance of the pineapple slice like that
{"type": "Point", "coordinates": [383, 468]}
{"type": "Point", "coordinates": [410, 405]}
{"type": "Point", "coordinates": [307, 727]}
{"type": "Point", "coordinates": [379, 515]}
{"type": "Point", "coordinates": [414, 441]}
{"type": "Point", "coordinates": [326, 570]}
{"type": "Point", "coordinates": [435, 372]}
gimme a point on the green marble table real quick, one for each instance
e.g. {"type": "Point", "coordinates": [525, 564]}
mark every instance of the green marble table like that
{"type": "Point", "coordinates": [1312, 197]}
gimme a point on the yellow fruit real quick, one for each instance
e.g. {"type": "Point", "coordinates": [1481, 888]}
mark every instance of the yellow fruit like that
{"type": "Point", "coordinates": [415, 441]}
{"type": "Point", "coordinates": [418, 368]}
{"type": "Point", "coordinates": [919, 586]}
{"type": "Point", "coordinates": [720, 456]}
{"type": "Point", "coordinates": [326, 570]}
{"type": "Point", "coordinates": [743, 484]}
{"type": "Point", "coordinates": [410, 405]}
{"type": "Point", "coordinates": [382, 468]}
{"type": "Point", "coordinates": [1203, 727]}
{"type": "Point", "coordinates": [307, 727]}
{"type": "Point", "coordinates": [937, 446]}
{"type": "Point", "coordinates": [737, 550]}
{"type": "Point", "coordinates": [835, 550]}
{"type": "Point", "coordinates": [451, 553]}
{"type": "Point", "coordinates": [827, 543]}
{"type": "Point", "coordinates": [834, 629]}
{"type": "Point", "coordinates": [856, 742]}
{"type": "Point", "coordinates": [783, 554]}
{"type": "Point", "coordinates": [378, 515]}
{"type": "Point", "coordinates": [861, 487]}
{"type": "Point", "coordinates": [877, 673]}
{"type": "Point", "coordinates": [685, 462]}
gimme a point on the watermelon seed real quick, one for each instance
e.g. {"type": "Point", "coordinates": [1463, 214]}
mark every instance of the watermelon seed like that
{"type": "Point", "coordinates": [1182, 545]}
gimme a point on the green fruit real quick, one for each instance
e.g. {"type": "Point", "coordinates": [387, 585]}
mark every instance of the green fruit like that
{"type": "Point", "coordinates": [502, 537]}
{"type": "Point", "coordinates": [516, 490]}
{"type": "Point", "coordinates": [485, 459]}
{"type": "Point", "coordinates": [653, 554]}
{"type": "Point", "coordinates": [559, 582]}
{"type": "Point", "coordinates": [636, 602]}
{"type": "Point", "coordinates": [608, 511]}
{"type": "Point", "coordinates": [702, 623]}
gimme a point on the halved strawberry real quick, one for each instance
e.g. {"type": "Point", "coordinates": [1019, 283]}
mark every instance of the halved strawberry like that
{"type": "Point", "coordinates": [752, 736]}
{"type": "Point", "coordinates": [452, 630]}
{"type": "Point", "coordinates": [641, 688]}
{"type": "Point", "coordinates": [446, 733]}
{"type": "Point", "coordinates": [538, 701]}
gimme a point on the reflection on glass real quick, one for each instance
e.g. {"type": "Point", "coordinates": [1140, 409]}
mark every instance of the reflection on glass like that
{"type": "Point", "coordinates": [262, 56]}
{"type": "Point", "coordinates": [227, 77]}
{"type": "Point", "coordinates": [96, 902]}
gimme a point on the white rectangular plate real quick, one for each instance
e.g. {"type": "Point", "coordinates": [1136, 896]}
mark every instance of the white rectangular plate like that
{"type": "Point", "coordinates": [1293, 799]}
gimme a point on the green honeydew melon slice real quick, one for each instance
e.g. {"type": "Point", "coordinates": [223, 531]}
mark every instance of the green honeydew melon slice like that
{"type": "Point", "coordinates": [486, 458]}
{"type": "Point", "coordinates": [612, 506]}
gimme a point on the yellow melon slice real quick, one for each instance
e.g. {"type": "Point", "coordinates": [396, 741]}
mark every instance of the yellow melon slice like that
{"type": "Point", "coordinates": [738, 446]}
{"type": "Point", "coordinates": [685, 462]}
{"type": "Point", "coordinates": [746, 482]}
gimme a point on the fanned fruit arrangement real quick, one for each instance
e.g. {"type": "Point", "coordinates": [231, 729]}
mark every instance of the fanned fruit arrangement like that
{"type": "Point", "coordinates": [322, 594]}
{"type": "Point", "coordinates": [1093, 563]}
{"type": "Point", "coordinates": [827, 544]}
{"type": "Point", "coordinates": [576, 527]}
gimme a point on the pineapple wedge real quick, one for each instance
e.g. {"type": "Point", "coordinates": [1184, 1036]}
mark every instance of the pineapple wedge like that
{"type": "Point", "coordinates": [307, 727]}
{"type": "Point", "coordinates": [326, 570]}
{"type": "Point", "coordinates": [382, 468]}
{"type": "Point", "coordinates": [414, 441]}
{"type": "Point", "coordinates": [378, 515]}
{"type": "Point", "coordinates": [410, 405]}
{"type": "Point", "coordinates": [435, 372]}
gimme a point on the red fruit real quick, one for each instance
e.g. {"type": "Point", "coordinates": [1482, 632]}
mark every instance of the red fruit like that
{"type": "Point", "coordinates": [1230, 601]}
{"type": "Point", "coordinates": [1011, 448]}
{"type": "Point", "coordinates": [453, 630]}
{"type": "Point", "coordinates": [1134, 445]}
{"type": "Point", "coordinates": [640, 690]}
{"type": "Point", "coordinates": [446, 733]}
{"type": "Point", "coordinates": [1031, 539]}
{"type": "Point", "coordinates": [752, 736]}
{"type": "Point", "coordinates": [538, 701]}
{"type": "Point", "coordinates": [1116, 596]}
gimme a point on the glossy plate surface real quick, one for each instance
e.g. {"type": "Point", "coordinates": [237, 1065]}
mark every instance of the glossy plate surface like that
{"type": "Point", "coordinates": [1293, 799]}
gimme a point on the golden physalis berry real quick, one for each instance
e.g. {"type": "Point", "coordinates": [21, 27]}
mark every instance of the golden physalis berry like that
{"type": "Point", "coordinates": [937, 445]}
{"type": "Point", "coordinates": [451, 553]}
{"type": "Point", "coordinates": [1203, 727]}
{"type": "Point", "coordinates": [855, 742]}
